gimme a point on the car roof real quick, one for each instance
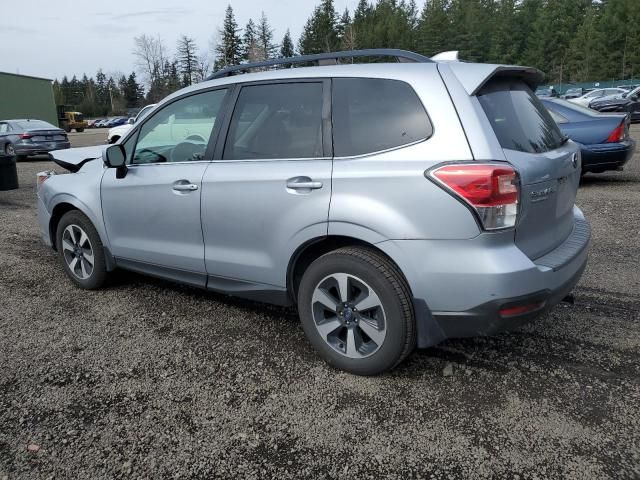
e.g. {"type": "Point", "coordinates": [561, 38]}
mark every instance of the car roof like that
{"type": "Point", "coordinates": [472, 76]}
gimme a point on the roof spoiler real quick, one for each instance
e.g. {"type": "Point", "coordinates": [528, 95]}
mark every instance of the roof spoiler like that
{"type": "Point", "coordinates": [449, 56]}
{"type": "Point", "coordinates": [474, 76]}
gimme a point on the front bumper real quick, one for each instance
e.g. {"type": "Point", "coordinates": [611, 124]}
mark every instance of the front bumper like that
{"type": "Point", "coordinates": [40, 148]}
{"type": "Point", "coordinates": [460, 286]}
{"type": "Point", "coordinates": [606, 156]}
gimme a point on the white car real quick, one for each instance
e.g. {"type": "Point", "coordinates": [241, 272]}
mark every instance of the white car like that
{"type": "Point", "coordinates": [587, 98]}
{"type": "Point", "coordinates": [116, 133]}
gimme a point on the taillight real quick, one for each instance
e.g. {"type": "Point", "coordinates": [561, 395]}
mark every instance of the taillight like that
{"type": "Point", "coordinates": [25, 136]}
{"type": "Point", "coordinates": [617, 135]}
{"type": "Point", "coordinates": [492, 190]}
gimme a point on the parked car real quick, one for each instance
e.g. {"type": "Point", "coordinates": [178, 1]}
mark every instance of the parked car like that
{"type": "Point", "coordinates": [546, 92]}
{"type": "Point", "coordinates": [603, 138]}
{"type": "Point", "coordinates": [102, 123]}
{"type": "Point", "coordinates": [629, 102]}
{"type": "Point", "coordinates": [27, 137]}
{"type": "Point", "coordinates": [587, 98]}
{"type": "Point", "coordinates": [352, 191]}
{"type": "Point", "coordinates": [117, 132]}
{"type": "Point", "coordinates": [114, 122]}
{"type": "Point", "coordinates": [574, 93]}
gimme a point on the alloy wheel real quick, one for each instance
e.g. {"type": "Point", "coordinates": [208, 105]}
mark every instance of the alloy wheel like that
{"type": "Point", "coordinates": [77, 251]}
{"type": "Point", "coordinates": [349, 315]}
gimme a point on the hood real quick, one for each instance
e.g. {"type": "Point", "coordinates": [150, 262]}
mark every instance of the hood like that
{"type": "Point", "coordinates": [120, 129]}
{"type": "Point", "coordinates": [74, 158]}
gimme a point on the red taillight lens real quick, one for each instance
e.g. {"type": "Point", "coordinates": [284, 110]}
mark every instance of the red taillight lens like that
{"type": "Point", "coordinates": [491, 189]}
{"type": "Point", "coordinates": [25, 136]}
{"type": "Point", "coordinates": [617, 135]}
{"type": "Point", "coordinates": [521, 309]}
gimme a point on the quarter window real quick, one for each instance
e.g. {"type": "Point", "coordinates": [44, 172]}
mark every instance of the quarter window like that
{"type": "Point", "coordinates": [276, 121]}
{"type": "Point", "coordinates": [180, 131]}
{"type": "Point", "coordinates": [370, 115]}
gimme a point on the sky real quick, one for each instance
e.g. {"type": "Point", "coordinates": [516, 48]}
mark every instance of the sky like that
{"type": "Point", "coordinates": [53, 38]}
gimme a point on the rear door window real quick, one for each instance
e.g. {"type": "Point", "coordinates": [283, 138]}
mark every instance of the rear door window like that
{"type": "Point", "coordinates": [518, 118]}
{"type": "Point", "coordinates": [371, 115]}
{"type": "Point", "coordinates": [276, 121]}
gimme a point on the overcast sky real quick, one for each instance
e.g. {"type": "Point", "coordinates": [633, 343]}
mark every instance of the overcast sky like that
{"type": "Point", "coordinates": [50, 38]}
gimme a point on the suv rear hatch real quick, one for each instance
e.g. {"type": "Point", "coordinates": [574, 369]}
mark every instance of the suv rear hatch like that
{"type": "Point", "coordinates": [548, 164]}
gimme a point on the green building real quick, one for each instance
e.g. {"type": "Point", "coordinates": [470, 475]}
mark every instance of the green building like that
{"type": "Point", "coordinates": [22, 96]}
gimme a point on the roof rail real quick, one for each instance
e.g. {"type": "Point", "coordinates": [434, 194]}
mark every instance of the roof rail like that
{"type": "Point", "coordinates": [331, 58]}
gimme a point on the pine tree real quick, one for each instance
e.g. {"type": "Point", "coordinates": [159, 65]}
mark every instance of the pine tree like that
{"type": "Point", "coordinates": [187, 57]}
{"type": "Point", "coordinates": [265, 38]}
{"type": "Point", "coordinates": [433, 31]}
{"type": "Point", "coordinates": [287, 49]}
{"type": "Point", "coordinates": [320, 32]}
{"type": "Point", "coordinates": [250, 42]}
{"type": "Point", "coordinates": [229, 49]}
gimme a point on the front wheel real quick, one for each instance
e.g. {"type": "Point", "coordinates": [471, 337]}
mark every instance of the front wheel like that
{"type": "Point", "coordinates": [356, 310]}
{"type": "Point", "coordinates": [79, 130]}
{"type": "Point", "coordinates": [80, 250]}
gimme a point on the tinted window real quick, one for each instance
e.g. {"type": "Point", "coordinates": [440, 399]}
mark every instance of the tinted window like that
{"type": "Point", "coordinates": [276, 121]}
{"type": "Point", "coordinates": [370, 115]}
{"type": "Point", "coordinates": [518, 118]}
{"type": "Point", "coordinates": [180, 131]}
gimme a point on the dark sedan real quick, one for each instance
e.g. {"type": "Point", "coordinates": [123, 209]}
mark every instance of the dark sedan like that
{"type": "Point", "coordinates": [627, 103]}
{"type": "Point", "coordinates": [23, 138]}
{"type": "Point", "coordinates": [604, 138]}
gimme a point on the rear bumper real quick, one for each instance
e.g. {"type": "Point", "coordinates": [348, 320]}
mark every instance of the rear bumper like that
{"type": "Point", "coordinates": [36, 149]}
{"type": "Point", "coordinates": [606, 156]}
{"type": "Point", "coordinates": [460, 286]}
{"type": "Point", "coordinates": [44, 218]}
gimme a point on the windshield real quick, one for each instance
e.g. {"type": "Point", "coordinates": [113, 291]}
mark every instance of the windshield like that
{"type": "Point", "coordinates": [518, 117]}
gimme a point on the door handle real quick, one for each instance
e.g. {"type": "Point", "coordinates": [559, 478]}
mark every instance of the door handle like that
{"type": "Point", "coordinates": [185, 187]}
{"type": "Point", "coordinates": [303, 183]}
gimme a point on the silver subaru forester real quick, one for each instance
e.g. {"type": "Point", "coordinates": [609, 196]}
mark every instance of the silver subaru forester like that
{"type": "Point", "coordinates": [395, 204]}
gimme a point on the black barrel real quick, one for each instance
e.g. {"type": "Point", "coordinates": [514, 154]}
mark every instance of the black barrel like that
{"type": "Point", "coordinates": [8, 172]}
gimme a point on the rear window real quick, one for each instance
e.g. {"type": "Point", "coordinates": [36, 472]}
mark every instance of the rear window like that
{"type": "Point", "coordinates": [518, 118]}
{"type": "Point", "coordinates": [31, 124]}
{"type": "Point", "coordinates": [371, 115]}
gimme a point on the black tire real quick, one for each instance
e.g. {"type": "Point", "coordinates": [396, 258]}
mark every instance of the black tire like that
{"type": "Point", "coordinates": [98, 274]}
{"type": "Point", "coordinates": [9, 149]}
{"type": "Point", "coordinates": [384, 277]}
{"type": "Point", "coordinates": [79, 130]}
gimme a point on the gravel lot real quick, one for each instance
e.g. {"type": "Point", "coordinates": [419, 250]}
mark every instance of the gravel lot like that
{"type": "Point", "coordinates": [148, 379]}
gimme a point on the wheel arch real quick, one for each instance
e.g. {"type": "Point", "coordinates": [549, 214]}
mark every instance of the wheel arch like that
{"type": "Point", "coordinates": [56, 215]}
{"type": "Point", "coordinates": [309, 251]}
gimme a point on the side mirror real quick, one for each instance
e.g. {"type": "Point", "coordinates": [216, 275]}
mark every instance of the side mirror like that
{"type": "Point", "coordinates": [116, 157]}
{"type": "Point", "coordinates": [131, 121]}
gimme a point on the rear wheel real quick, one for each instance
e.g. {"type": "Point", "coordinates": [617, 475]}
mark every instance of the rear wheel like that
{"type": "Point", "coordinates": [79, 130]}
{"type": "Point", "coordinates": [80, 250]}
{"type": "Point", "coordinates": [9, 149]}
{"type": "Point", "coordinates": [356, 310]}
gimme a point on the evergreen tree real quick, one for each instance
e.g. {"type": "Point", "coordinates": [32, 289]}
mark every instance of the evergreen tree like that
{"type": "Point", "coordinates": [265, 38]}
{"type": "Point", "coordinates": [187, 57]}
{"type": "Point", "coordinates": [250, 51]}
{"type": "Point", "coordinates": [433, 31]}
{"type": "Point", "coordinates": [287, 49]}
{"type": "Point", "coordinates": [320, 33]}
{"type": "Point", "coordinates": [229, 49]}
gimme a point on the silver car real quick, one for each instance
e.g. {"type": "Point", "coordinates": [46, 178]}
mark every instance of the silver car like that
{"type": "Point", "coordinates": [395, 204]}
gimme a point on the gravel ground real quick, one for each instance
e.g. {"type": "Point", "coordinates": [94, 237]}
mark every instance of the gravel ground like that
{"type": "Point", "coordinates": [147, 379]}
